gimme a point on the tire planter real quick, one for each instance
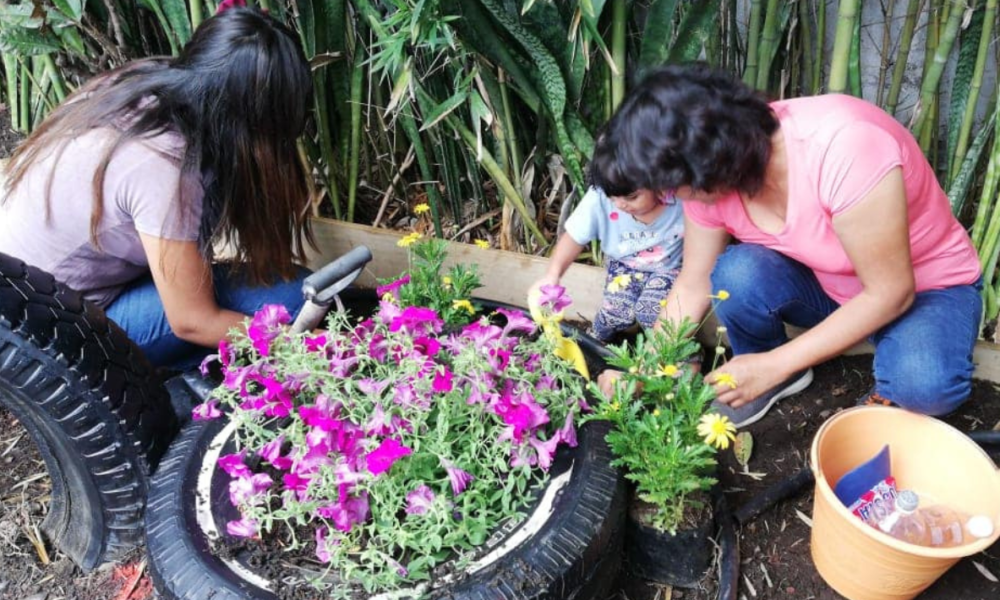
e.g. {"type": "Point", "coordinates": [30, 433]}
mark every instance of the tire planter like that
{"type": "Point", "coordinates": [569, 545]}
{"type": "Point", "coordinates": [88, 399]}
{"type": "Point", "coordinates": [679, 559]}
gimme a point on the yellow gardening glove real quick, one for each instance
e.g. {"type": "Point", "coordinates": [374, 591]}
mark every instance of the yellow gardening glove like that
{"type": "Point", "coordinates": [568, 349]}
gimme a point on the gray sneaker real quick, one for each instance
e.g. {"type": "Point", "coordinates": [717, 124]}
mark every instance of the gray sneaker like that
{"type": "Point", "coordinates": [753, 411]}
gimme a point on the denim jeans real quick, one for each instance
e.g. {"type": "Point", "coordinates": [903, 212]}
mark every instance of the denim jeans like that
{"type": "Point", "coordinates": [139, 311]}
{"type": "Point", "coordinates": [923, 359]}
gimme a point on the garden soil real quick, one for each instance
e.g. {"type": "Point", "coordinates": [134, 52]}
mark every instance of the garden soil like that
{"type": "Point", "coordinates": [774, 548]}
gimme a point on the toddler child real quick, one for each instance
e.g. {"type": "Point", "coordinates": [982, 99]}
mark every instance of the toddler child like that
{"type": "Point", "coordinates": [641, 236]}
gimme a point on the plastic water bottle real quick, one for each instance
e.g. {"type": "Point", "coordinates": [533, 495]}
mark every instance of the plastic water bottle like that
{"type": "Point", "coordinates": [945, 525]}
{"type": "Point", "coordinates": [905, 522]}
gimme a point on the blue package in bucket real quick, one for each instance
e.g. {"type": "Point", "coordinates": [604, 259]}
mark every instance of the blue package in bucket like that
{"type": "Point", "coordinates": [863, 477]}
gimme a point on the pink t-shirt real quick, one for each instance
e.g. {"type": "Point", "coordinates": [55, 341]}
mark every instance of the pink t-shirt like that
{"type": "Point", "coordinates": [140, 196]}
{"type": "Point", "coordinates": [839, 147]}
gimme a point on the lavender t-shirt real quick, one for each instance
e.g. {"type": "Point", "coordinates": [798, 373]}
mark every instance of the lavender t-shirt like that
{"type": "Point", "coordinates": [141, 195]}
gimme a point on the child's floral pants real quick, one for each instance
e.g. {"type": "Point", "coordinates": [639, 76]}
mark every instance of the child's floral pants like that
{"type": "Point", "coordinates": [630, 295]}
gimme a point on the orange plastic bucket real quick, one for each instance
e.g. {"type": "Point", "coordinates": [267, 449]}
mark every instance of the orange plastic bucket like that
{"type": "Point", "coordinates": [929, 457]}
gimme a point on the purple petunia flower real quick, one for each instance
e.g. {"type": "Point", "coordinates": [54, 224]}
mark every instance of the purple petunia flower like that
{"type": "Point", "coordinates": [392, 288]}
{"type": "Point", "coordinates": [234, 466]}
{"type": "Point", "coordinates": [516, 321]}
{"type": "Point", "coordinates": [245, 528]}
{"type": "Point", "coordinates": [249, 489]}
{"type": "Point", "coordinates": [347, 511]}
{"type": "Point", "coordinates": [419, 501]}
{"type": "Point", "coordinates": [442, 380]}
{"type": "Point", "coordinates": [322, 550]}
{"type": "Point", "coordinates": [388, 452]}
{"type": "Point", "coordinates": [554, 298]}
{"type": "Point", "coordinates": [206, 411]}
{"type": "Point", "coordinates": [266, 325]}
{"type": "Point", "coordinates": [417, 319]}
{"type": "Point", "coordinates": [271, 452]}
{"type": "Point", "coordinates": [459, 479]}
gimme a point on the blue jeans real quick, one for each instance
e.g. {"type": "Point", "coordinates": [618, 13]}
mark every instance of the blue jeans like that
{"type": "Point", "coordinates": [139, 311]}
{"type": "Point", "coordinates": [923, 359]}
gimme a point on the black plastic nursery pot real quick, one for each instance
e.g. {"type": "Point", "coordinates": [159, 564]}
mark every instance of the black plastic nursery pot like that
{"type": "Point", "coordinates": [679, 559]}
{"type": "Point", "coordinates": [568, 546]}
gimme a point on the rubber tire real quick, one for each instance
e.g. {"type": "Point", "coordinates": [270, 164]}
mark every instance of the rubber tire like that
{"type": "Point", "coordinates": [575, 555]}
{"type": "Point", "coordinates": [87, 397]}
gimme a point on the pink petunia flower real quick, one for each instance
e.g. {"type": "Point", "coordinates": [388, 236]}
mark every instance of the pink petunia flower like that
{"type": "Point", "coordinates": [459, 479]}
{"type": "Point", "coordinates": [442, 380]}
{"type": "Point", "coordinates": [249, 489]}
{"type": "Point", "coordinates": [245, 528]}
{"type": "Point", "coordinates": [392, 288]}
{"type": "Point", "coordinates": [206, 411]}
{"type": "Point", "coordinates": [516, 321]}
{"type": "Point", "coordinates": [417, 319]}
{"type": "Point", "coordinates": [388, 452]}
{"type": "Point", "coordinates": [419, 501]}
{"type": "Point", "coordinates": [271, 452]}
{"type": "Point", "coordinates": [322, 550]}
{"type": "Point", "coordinates": [266, 325]}
{"type": "Point", "coordinates": [554, 298]}
{"type": "Point", "coordinates": [233, 464]}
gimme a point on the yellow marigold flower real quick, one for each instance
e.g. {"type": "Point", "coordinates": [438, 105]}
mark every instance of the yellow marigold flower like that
{"type": "Point", "coordinates": [481, 243]}
{"type": "Point", "coordinates": [717, 430]}
{"type": "Point", "coordinates": [408, 240]}
{"type": "Point", "coordinates": [619, 282]}
{"type": "Point", "coordinates": [669, 370]}
{"type": "Point", "coordinates": [421, 208]}
{"type": "Point", "coordinates": [726, 379]}
{"type": "Point", "coordinates": [464, 304]}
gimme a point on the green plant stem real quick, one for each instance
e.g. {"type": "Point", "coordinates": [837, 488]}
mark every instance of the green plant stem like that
{"type": "Point", "coordinates": [619, 21]}
{"type": "Point", "coordinates": [508, 118]}
{"type": "Point", "coordinates": [975, 89]}
{"type": "Point", "coordinates": [929, 85]}
{"type": "Point", "coordinates": [426, 172]}
{"type": "Point", "coordinates": [805, 42]}
{"type": "Point", "coordinates": [840, 59]}
{"type": "Point", "coordinates": [11, 71]}
{"type": "Point", "coordinates": [58, 87]}
{"type": "Point", "coordinates": [753, 42]}
{"type": "Point", "coordinates": [817, 83]}
{"type": "Point", "coordinates": [883, 66]}
{"type": "Point", "coordinates": [854, 66]}
{"type": "Point", "coordinates": [196, 13]}
{"type": "Point", "coordinates": [902, 55]}
{"type": "Point", "coordinates": [353, 161]}
{"type": "Point", "coordinates": [768, 43]}
{"type": "Point", "coordinates": [25, 99]}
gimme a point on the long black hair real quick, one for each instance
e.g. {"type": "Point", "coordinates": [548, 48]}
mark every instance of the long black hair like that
{"type": "Point", "coordinates": [238, 94]}
{"type": "Point", "coordinates": [685, 125]}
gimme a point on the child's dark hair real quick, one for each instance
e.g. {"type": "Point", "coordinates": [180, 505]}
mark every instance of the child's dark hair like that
{"type": "Point", "coordinates": [685, 125]}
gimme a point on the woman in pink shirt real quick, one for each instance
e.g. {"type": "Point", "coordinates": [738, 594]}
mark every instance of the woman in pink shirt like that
{"type": "Point", "coordinates": [844, 229]}
{"type": "Point", "coordinates": [126, 189]}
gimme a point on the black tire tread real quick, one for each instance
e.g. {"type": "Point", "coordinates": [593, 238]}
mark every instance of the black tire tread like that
{"type": "Point", "coordinates": [91, 402]}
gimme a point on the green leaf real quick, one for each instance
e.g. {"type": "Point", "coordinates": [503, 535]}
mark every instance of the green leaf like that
{"type": "Point", "coordinates": [743, 447]}
{"type": "Point", "coordinates": [698, 23]}
{"type": "Point", "coordinates": [658, 33]}
{"type": "Point", "coordinates": [71, 8]}
{"type": "Point", "coordinates": [27, 42]}
{"type": "Point", "coordinates": [439, 112]}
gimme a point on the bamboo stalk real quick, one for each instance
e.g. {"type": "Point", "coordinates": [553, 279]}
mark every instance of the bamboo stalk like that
{"type": "Point", "coordinates": [54, 76]}
{"type": "Point", "coordinates": [196, 13]}
{"type": "Point", "coordinates": [753, 42]}
{"type": "Point", "coordinates": [768, 44]}
{"type": "Point", "coordinates": [975, 89]}
{"type": "Point", "coordinates": [508, 117]}
{"type": "Point", "coordinates": [805, 41]}
{"type": "Point", "coordinates": [817, 83]}
{"type": "Point", "coordinates": [913, 9]}
{"type": "Point", "coordinates": [883, 67]}
{"type": "Point", "coordinates": [847, 14]}
{"type": "Point", "coordinates": [619, 21]}
{"type": "Point", "coordinates": [326, 143]}
{"type": "Point", "coordinates": [353, 161]}
{"type": "Point", "coordinates": [929, 85]}
{"type": "Point", "coordinates": [11, 71]}
{"type": "Point", "coordinates": [854, 66]}
{"type": "Point", "coordinates": [25, 98]}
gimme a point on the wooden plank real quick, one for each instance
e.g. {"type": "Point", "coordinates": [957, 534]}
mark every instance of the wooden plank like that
{"type": "Point", "coordinates": [506, 276]}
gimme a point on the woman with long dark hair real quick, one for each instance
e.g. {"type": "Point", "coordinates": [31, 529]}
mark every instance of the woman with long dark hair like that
{"type": "Point", "coordinates": [126, 190]}
{"type": "Point", "coordinates": [844, 229]}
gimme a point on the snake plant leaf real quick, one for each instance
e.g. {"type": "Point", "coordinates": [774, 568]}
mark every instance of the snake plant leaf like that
{"type": "Point", "coordinates": [71, 8]}
{"type": "Point", "coordinates": [698, 23]}
{"type": "Point", "coordinates": [657, 34]}
{"type": "Point", "coordinates": [743, 447]}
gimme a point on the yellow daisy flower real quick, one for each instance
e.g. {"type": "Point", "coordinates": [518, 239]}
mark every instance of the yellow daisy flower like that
{"type": "Point", "coordinates": [421, 208]}
{"type": "Point", "coordinates": [446, 281]}
{"type": "Point", "coordinates": [656, 412]}
{"type": "Point", "coordinates": [717, 430]}
{"type": "Point", "coordinates": [720, 295]}
{"type": "Point", "coordinates": [482, 244]}
{"type": "Point", "coordinates": [464, 304]}
{"type": "Point", "coordinates": [726, 379]}
{"type": "Point", "coordinates": [669, 370]}
{"type": "Point", "coordinates": [408, 240]}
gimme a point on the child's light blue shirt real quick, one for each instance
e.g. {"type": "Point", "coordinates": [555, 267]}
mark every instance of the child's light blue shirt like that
{"type": "Point", "coordinates": [653, 247]}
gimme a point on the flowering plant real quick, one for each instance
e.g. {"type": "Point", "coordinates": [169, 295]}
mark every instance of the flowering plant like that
{"type": "Point", "coordinates": [661, 434]}
{"type": "Point", "coordinates": [424, 284]}
{"type": "Point", "coordinates": [383, 447]}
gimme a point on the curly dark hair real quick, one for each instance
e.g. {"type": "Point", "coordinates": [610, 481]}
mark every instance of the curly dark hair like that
{"type": "Point", "coordinates": [685, 125]}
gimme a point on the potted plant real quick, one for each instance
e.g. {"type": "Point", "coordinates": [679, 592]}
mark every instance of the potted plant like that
{"type": "Point", "coordinates": [665, 439]}
{"type": "Point", "coordinates": [404, 453]}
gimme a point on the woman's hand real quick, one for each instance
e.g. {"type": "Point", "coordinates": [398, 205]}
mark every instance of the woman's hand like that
{"type": "Point", "coordinates": [606, 381]}
{"type": "Point", "coordinates": [746, 377]}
